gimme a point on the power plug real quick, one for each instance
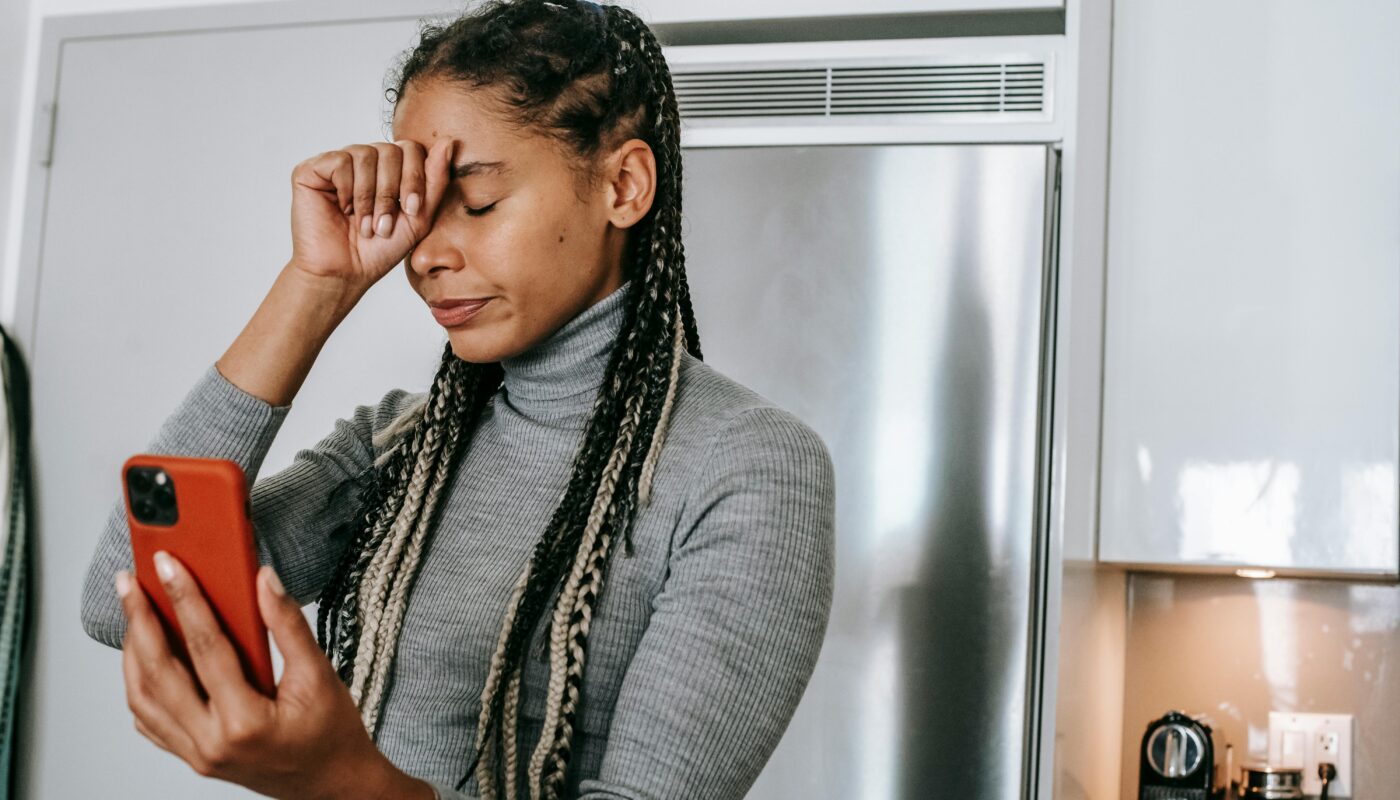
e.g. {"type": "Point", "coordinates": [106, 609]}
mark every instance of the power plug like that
{"type": "Point", "coordinates": [1310, 740]}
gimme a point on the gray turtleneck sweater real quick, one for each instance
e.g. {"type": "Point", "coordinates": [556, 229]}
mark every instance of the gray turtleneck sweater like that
{"type": "Point", "coordinates": [702, 642]}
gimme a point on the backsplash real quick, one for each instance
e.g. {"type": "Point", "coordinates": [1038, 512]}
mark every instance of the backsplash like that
{"type": "Point", "coordinates": [1235, 649]}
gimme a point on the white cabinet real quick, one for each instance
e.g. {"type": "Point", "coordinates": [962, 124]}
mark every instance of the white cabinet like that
{"type": "Point", "coordinates": [1252, 343]}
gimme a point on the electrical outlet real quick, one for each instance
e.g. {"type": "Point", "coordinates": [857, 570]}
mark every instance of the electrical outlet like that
{"type": "Point", "coordinates": [1306, 740]}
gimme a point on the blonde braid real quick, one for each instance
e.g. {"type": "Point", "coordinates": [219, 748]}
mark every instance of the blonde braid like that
{"type": "Point", "coordinates": [564, 607]}
{"type": "Point", "coordinates": [493, 678]}
{"type": "Point", "coordinates": [375, 584]}
{"type": "Point", "coordinates": [397, 602]}
{"type": "Point", "coordinates": [649, 466]}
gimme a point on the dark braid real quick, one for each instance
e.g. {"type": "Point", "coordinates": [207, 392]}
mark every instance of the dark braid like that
{"type": "Point", "coordinates": [592, 77]}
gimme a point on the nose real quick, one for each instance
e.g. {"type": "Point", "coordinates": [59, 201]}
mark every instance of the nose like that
{"type": "Point", "coordinates": [435, 252]}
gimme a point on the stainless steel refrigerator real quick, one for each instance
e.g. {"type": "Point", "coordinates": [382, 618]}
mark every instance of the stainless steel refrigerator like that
{"type": "Point", "coordinates": [895, 297]}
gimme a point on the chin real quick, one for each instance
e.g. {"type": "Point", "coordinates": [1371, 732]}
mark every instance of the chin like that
{"type": "Point", "coordinates": [471, 345]}
{"type": "Point", "coordinates": [473, 351]}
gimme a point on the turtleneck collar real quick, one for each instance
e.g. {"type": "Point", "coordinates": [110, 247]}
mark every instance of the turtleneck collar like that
{"type": "Point", "coordinates": [561, 375]}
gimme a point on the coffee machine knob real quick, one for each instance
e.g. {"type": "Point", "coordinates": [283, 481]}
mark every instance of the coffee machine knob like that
{"type": "Point", "coordinates": [1175, 751]}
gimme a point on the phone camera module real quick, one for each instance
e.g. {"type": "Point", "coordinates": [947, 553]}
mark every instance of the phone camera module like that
{"type": "Point", "coordinates": [152, 494]}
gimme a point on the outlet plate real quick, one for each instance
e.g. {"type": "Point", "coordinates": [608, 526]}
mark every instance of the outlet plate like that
{"type": "Point", "coordinates": [1305, 740]}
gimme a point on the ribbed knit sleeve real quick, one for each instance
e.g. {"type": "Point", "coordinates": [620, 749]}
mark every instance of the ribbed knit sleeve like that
{"type": "Point", "coordinates": [295, 512]}
{"type": "Point", "coordinates": [739, 622]}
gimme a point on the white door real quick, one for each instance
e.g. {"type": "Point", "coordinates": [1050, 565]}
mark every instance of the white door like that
{"type": "Point", "coordinates": [167, 219]}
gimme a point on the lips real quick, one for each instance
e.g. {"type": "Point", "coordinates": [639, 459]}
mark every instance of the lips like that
{"type": "Point", "coordinates": [450, 313]}
{"type": "Point", "coordinates": [454, 302]}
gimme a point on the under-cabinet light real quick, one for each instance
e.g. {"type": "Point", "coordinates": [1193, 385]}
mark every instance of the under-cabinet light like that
{"type": "Point", "coordinates": [1255, 573]}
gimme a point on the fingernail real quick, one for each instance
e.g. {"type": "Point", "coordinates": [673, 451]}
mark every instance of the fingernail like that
{"type": "Point", "coordinates": [275, 583]}
{"type": "Point", "coordinates": [386, 224]}
{"type": "Point", "coordinates": [165, 568]}
{"type": "Point", "coordinates": [123, 583]}
{"type": "Point", "coordinates": [365, 227]}
{"type": "Point", "coordinates": [349, 209]}
{"type": "Point", "coordinates": [411, 204]}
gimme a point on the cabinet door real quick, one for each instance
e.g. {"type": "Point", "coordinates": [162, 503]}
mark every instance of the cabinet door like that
{"type": "Point", "coordinates": [1252, 353]}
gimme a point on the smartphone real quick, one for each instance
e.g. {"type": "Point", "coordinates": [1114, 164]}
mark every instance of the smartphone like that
{"type": "Point", "coordinates": [197, 510]}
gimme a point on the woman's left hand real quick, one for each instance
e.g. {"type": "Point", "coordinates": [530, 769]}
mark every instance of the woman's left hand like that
{"type": "Point", "coordinates": [307, 742]}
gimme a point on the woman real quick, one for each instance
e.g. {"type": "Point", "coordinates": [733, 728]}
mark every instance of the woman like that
{"type": "Point", "coordinates": [476, 636]}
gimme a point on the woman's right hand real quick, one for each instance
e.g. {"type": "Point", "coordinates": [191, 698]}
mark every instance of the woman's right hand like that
{"type": "Point", "coordinates": [340, 194]}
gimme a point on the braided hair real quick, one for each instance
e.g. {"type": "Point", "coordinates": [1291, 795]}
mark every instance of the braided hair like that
{"type": "Point", "coordinates": [591, 76]}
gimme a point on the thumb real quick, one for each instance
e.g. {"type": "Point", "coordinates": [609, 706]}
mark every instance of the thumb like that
{"type": "Point", "coordinates": [282, 615]}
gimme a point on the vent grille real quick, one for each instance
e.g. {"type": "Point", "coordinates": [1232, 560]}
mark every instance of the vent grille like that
{"type": "Point", "coordinates": [995, 87]}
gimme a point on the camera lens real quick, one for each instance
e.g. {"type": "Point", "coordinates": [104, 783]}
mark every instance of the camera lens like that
{"type": "Point", "coordinates": [140, 481]}
{"type": "Point", "coordinates": [145, 509]}
{"type": "Point", "coordinates": [164, 496]}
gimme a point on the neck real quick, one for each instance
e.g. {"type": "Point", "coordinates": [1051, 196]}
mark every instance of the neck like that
{"type": "Point", "coordinates": [559, 377]}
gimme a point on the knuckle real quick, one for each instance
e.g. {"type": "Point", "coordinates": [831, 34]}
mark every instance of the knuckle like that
{"type": "Point", "coordinates": [137, 690]}
{"type": "Point", "coordinates": [146, 666]}
{"type": "Point", "coordinates": [200, 640]}
{"type": "Point", "coordinates": [240, 731]}
{"type": "Point", "coordinates": [215, 755]}
{"type": "Point", "coordinates": [177, 593]}
{"type": "Point", "coordinates": [202, 766]}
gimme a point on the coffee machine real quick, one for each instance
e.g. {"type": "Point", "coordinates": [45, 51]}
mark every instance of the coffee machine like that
{"type": "Point", "coordinates": [1178, 760]}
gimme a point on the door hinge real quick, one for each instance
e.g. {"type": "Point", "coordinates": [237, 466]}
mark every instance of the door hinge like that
{"type": "Point", "coordinates": [49, 113]}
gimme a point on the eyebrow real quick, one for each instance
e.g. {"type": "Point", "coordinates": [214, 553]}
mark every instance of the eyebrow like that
{"type": "Point", "coordinates": [478, 167]}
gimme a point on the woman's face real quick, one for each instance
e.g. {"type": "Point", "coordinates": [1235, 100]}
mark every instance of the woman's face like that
{"type": "Point", "coordinates": [546, 249]}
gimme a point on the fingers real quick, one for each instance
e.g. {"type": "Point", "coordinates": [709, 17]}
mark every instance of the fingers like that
{"type": "Point", "coordinates": [366, 161]}
{"type": "Point", "coordinates": [334, 169]}
{"type": "Point", "coordinates": [290, 631]}
{"type": "Point", "coordinates": [436, 170]}
{"type": "Point", "coordinates": [214, 659]}
{"type": "Point", "coordinates": [386, 187]}
{"type": "Point", "coordinates": [159, 690]}
{"type": "Point", "coordinates": [393, 176]}
{"type": "Point", "coordinates": [151, 719]}
{"type": "Point", "coordinates": [374, 182]}
{"type": "Point", "coordinates": [412, 182]}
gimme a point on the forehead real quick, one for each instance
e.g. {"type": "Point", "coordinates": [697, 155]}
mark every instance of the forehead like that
{"type": "Point", "coordinates": [488, 142]}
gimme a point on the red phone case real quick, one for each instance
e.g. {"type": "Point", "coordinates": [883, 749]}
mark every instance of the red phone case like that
{"type": "Point", "coordinates": [213, 538]}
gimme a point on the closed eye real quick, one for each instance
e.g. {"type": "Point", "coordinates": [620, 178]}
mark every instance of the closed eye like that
{"type": "Point", "coordinates": [477, 212]}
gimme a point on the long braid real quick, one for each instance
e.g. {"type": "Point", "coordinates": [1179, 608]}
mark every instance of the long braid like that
{"type": "Point", "coordinates": [402, 578]}
{"type": "Point", "coordinates": [338, 618]}
{"type": "Point", "coordinates": [589, 74]}
{"type": "Point", "coordinates": [381, 582]}
{"type": "Point", "coordinates": [557, 749]}
{"type": "Point", "coordinates": [576, 606]}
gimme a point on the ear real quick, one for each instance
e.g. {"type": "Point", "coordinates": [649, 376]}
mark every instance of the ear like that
{"type": "Point", "coordinates": [631, 183]}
